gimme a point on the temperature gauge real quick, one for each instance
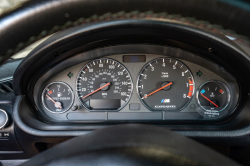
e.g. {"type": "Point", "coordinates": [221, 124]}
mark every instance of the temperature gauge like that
{"type": "Point", "coordinates": [213, 96]}
{"type": "Point", "coordinates": [57, 97]}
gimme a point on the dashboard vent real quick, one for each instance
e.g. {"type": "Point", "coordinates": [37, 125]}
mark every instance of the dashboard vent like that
{"type": "Point", "coordinates": [6, 86]}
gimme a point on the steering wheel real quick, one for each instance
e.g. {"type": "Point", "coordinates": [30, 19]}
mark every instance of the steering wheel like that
{"type": "Point", "coordinates": [32, 20]}
{"type": "Point", "coordinates": [132, 145]}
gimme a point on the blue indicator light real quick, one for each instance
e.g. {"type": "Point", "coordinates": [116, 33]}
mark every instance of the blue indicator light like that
{"type": "Point", "coordinates": [203, 91]}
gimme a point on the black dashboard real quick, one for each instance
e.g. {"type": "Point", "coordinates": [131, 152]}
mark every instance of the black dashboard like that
{"type": "Point", "coordinates": [166, 85]}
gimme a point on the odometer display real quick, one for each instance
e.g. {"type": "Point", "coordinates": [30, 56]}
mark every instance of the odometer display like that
{"type": "Point", "coordinates": [104, 84]}
{"type": "Point", "coordinates": [165, 84]}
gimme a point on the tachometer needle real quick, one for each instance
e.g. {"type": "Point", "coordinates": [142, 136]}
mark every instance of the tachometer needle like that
{"type": "Point", "coordinates": [54, 101]}
{"type": "Point", "coordinates": [209, 100]}
{"type": "Point", "coordinates": [96, 90]}
{"type": "Point", "coordinates": [158, 90]}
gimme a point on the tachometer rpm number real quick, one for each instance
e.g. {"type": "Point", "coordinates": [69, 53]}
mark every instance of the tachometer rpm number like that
{"type": "Point", "coordinates": [165, 84]}
{"type": "Point", "coordinates": [104, 84]}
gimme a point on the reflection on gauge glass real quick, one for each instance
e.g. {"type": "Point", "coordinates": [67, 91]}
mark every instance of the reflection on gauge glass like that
{"type": "Point", "coordinates": [165, 84]}
{"type": "Point", "coordinates": [213, 96]}
{"type": "Point", "coordinates": [104, 84]}
{"type": "Point", "coordinates": [57, 97]}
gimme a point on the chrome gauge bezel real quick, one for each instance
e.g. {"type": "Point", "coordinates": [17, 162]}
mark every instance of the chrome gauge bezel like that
{"type": "Point", "coordinates": [226, 88]}
{"type": "Point", "coordinates": [137, 82]}
{"type": "Point", "coordinates": [59, 82]}
{"type": "Point", "coordinates": [6, 120]}
{"type": "Point", "coordinates": [132, 87]}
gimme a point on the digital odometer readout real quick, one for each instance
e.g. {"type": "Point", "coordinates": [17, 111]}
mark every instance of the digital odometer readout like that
{"type": "Point", "coordinates": [104, 84]}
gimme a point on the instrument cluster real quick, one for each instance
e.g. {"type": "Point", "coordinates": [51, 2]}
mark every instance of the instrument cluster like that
{"type": "Point", "coordinates": [137, 87]}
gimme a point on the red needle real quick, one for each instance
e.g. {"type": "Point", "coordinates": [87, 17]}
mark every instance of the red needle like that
{"type": "Point", "coordinates": [209, 100]}
{"type": "Point", "coordinates": [158, 89]}
{"type": "Point", "coordinates": [96, 90]}
{"type": "Point", "coordinates": [54, 101]}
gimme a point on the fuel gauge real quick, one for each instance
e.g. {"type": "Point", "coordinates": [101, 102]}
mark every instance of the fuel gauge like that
{"type": "Point", "coordinates": [57, 97]}
{"type": "Point", "coordinates": [213, 96]}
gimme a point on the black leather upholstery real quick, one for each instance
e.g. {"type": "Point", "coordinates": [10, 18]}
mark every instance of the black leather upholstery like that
{"type": "Point", "coordinates": [36, 19]}
{"type": "Point", "coordinates": [131, 145]}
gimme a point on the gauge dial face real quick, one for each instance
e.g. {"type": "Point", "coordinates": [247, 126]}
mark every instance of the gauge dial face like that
{"type": "Point", "coordinates": [104, 84]}
{"type": "Point", "coordinates": [57, 97]}
{"type": "Point", "coordinates": [165, 84]}
{"type": "Point", "coordinates": [213, 96]}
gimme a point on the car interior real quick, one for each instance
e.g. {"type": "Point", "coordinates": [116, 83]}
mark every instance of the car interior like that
{"type": "Point", "coordinates": [124, 82]}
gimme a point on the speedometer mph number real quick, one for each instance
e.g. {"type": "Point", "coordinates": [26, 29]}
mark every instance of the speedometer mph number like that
{"type": "Point", "coordinates": [165, 84]}
{"type": "Point", "coordinates": [104, 85]}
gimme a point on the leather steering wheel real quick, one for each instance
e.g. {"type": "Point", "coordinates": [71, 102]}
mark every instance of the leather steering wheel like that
{"type": "Point", "coordinates": [29, 21]}
{"type": "Point", "coordinates": [133, 145]}
{"type": "Point", "coordinates": [125, 144]}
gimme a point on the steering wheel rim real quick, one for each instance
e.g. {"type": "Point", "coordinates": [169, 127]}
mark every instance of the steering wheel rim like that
{"type": "Point", "coordinates": [130, 144]}
{"type": "Point", "coordinates": [29, 21]}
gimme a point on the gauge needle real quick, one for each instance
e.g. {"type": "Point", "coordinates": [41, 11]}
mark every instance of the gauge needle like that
{"type": "Point", "coordinates": [96, 90]}
{"type": "Point", "coordinates": [158, 90]}
{"type": "Point", "coordinates": [209, 100]}
{"type": "Point", "coordinates": [54, 101]}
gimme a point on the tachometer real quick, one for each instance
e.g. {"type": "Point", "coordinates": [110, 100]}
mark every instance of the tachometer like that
{"type": "Point", "coordinates": [104, 84]}
{"type": "Point", "coordinates": [165, 84]}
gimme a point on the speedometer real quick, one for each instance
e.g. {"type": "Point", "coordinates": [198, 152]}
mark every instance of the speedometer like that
{"type": "Point", "coordinates": [104, 84]}
{"type": "Point", "coordinates": [165, 84]}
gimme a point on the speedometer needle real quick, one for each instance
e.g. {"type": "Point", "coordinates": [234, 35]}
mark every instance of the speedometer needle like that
{"type": "Point", "coordinates": [209, 100]}
{"type": "Point", "coordinates": [54, 101]}
{"type": "Point", "coordinates": [96, 90]}
{"type": "Point", "coordinates": [158, 90]}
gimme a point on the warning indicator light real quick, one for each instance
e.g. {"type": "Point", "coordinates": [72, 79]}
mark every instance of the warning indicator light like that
{"type": "Point", "coordinates": [199, 73]}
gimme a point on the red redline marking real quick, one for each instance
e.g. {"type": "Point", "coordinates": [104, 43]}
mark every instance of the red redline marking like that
{"type": "Point", "coordinates": [53, 101]}
{"type": "Point", "coordinates": [191, 88]}
{"type": "Point", "coordinates": [209, 100]}
{"type": "Point", "coordinates": [158, 90]}
{"type": "Point", "coordinates": [190, 82]}
{"type": "Point", "coordinates": [96, 90]}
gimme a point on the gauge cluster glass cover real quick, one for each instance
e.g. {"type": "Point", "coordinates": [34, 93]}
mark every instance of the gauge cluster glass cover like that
{"type": "Point", "coordinates": [165, 88]}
